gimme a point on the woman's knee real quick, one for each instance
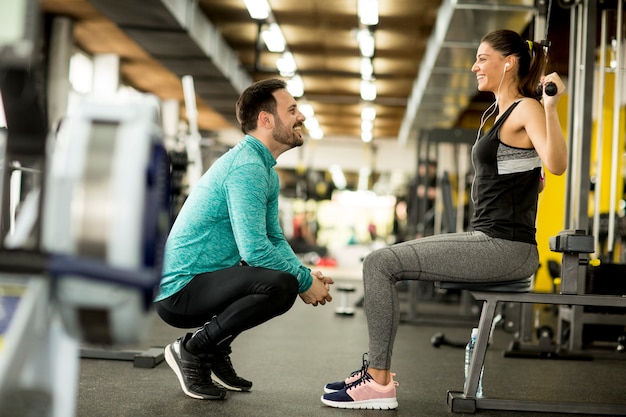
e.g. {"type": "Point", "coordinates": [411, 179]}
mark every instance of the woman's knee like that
{"type": "Point", "coordinates": [379, 265]}
{"type": "Point", "coordinates": [379, 260]}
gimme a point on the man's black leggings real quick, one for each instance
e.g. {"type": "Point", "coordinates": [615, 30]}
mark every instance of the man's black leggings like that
{"type": "Point", "coordinates": [233, 299]}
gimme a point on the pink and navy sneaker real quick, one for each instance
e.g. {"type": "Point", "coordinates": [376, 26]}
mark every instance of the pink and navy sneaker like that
{"type": "Point", "coordinates": [362, 393]}
{"type": "Point", "coordinates": [354, 376]}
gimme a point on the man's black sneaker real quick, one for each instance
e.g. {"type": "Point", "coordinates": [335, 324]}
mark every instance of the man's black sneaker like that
{"type": "Point", "coordinates": [224, 373]}
{"type": "Point", "coordinates": [194, 374]}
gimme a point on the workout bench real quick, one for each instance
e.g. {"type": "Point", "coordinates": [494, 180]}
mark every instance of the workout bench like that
{"type": "Point", "coordinates": [574, 244]}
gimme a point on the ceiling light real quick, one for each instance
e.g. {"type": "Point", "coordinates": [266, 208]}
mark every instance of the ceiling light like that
{"type": "Point", "coordinates": [316, 134]}
{"type": "Point", "coordinates": [368, 113]}
{"type": "Point", "coordinates": [306, 109]}
{"type": "Point", "coordinates": [312, 123]}
{"type": "Point", "coordinates": [368, 90]}
{"type": "Point", "coordinates": [367, 125]}
{"type": "Point", "coordinates": [339, 179]}
{"type": "Point", "coordinates": [273, 38]}
{"type": "Point", "coordinates": [286, 65]}
{"type": "Point", "coordinates": [368, 12]}
{"type": "Point", "coordinates": [365, 38]}
{"type": "Point", "coordinates": [367, 69]}
{"type": "Point", "coordinates": [295, 86]}
{"type": "Point", "coordinates": [258, 9]}
{"type": "Point", "coordinates": [366, 136]}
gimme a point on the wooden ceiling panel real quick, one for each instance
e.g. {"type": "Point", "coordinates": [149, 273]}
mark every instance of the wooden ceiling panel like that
{"type": "Point", "coordinates": [325, 9]}
{"type": "Point", "coordinates": [101, 36]}
{"type": "Point", "coordinates": [321, 40]}
{"type": "Point", "coordinates": [76, 9]}
{"type": "Point", "coordinates": [334, 88]}
{"type": "Point", "coordinates": [243, 34]}
{"type": "Point", "coordinates": [148, 76]}
{"type": "Point", "coordinates": [320, 33]}
{"type": "Point", "coordinates": [397, 89]}
{"type": "Point", "coordinates": [95, 34]}
{"type": "Point", "coordinates": [338, 110]}
{"type": "Point", "coordinates": [397, 69]}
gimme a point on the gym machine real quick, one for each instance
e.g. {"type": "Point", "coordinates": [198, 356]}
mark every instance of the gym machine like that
{"type": "Point", "coordinates": [104, 216]}
{"type": "Point", "coordinates": [574, 243]}
{"type": "Point", "coordinates": [573, 337]}
{"type": "Point", "coordinates": [81, 260]}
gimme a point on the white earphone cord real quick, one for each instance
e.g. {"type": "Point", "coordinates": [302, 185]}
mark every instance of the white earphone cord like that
{"type": "Point", "coordinates": [483, 120]}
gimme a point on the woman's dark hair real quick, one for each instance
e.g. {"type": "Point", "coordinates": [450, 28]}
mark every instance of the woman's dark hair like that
{"type": "Point", "coordinates": [257, 98]}
{"type": "Point", "coordinates": [530, 56]}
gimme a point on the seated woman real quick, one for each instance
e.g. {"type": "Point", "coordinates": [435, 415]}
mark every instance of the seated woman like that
{"type": "Point", "coordinates": [501, 245]}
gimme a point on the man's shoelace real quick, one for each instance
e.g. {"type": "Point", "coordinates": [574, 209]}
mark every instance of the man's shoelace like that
{"type": "Point", "coordinates": [197, 371]}
{"type": "Point", "coordinates": [224, 365]}
{"type": "Point", "coordinates": [205, 372]}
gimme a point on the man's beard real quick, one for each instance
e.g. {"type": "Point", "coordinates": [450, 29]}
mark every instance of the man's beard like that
{"type": "Point", "coordinates": [286, 136]}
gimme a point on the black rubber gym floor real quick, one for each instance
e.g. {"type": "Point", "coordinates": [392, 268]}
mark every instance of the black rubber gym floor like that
{"type": "Point", "coordinates": [290, 358]}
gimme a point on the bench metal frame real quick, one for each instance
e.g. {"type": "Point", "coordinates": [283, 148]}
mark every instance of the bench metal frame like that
{"type": "Point", "coordinates": [467, 401]}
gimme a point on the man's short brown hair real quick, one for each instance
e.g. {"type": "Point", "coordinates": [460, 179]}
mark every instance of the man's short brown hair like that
{"type": "Point", "coordinates": [256, 98]}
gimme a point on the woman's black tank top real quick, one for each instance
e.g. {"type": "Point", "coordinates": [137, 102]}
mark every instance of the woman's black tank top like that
{"type": "Point", "coordinates": [505, 188]}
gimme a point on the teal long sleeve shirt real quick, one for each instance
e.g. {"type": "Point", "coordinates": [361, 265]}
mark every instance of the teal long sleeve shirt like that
{"type": "Point", "coordinates": [231, 215]}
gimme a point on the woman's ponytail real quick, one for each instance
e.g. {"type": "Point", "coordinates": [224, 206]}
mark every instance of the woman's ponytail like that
{"type": "Point", "coordinates": [528, 85]}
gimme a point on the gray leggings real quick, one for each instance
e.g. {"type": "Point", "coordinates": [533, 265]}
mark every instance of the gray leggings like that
{"type": "Point", "coordinates": [459, 257]}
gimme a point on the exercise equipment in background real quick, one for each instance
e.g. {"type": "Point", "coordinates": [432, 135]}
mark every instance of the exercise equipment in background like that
{"type": "Point", "coordinates": [344, 308]}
